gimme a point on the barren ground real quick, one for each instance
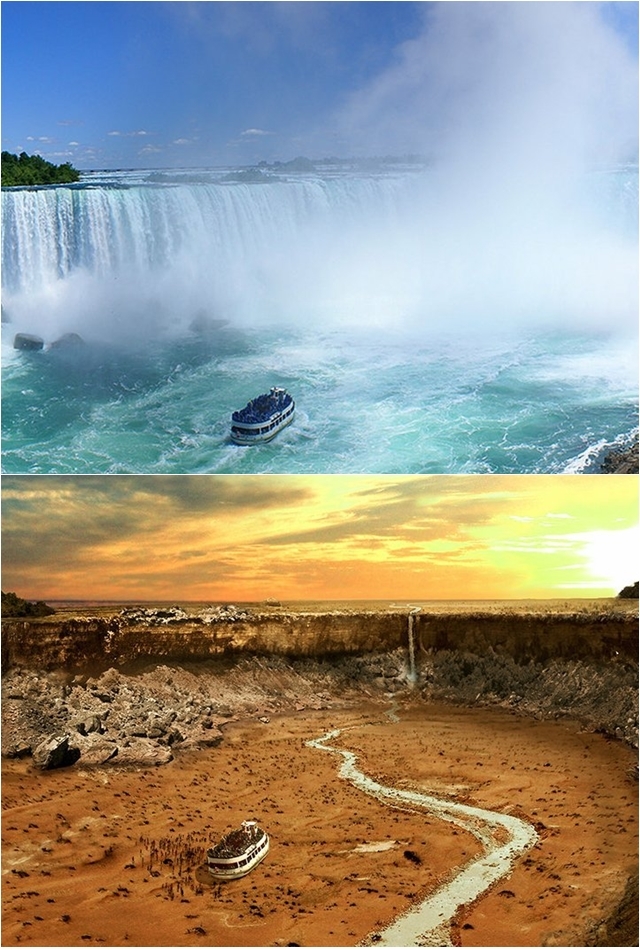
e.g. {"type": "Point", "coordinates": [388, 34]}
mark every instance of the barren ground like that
{"type": "Point", "coordinates": [114, 856]}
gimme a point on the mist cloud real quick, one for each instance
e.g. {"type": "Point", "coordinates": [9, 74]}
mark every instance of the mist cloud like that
{"type": "Point", "coordinates": [518, 106]}
{"type": "Point", "coordinates": [505, 82]}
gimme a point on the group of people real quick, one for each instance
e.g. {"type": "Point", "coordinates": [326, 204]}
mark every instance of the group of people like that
{"type": "Point", "coordinates": [262, 407]}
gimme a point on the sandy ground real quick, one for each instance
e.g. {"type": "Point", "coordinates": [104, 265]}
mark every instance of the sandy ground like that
{"type": "Point", "coordinates": [114, 857]}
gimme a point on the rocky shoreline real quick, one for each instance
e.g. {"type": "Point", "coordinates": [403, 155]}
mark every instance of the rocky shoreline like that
{"type": "Point", "coordinates": [622, 462]}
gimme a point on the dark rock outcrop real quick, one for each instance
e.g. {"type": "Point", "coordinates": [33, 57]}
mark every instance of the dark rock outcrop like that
{"type": "Point", "coordinates": [55, 753]}
{"type": "Point", "coordinates": [630, 592]}
{"type": "Point", "coordinates": [27, 341]}
{"type": "Point", "coordinates": [622, 462]}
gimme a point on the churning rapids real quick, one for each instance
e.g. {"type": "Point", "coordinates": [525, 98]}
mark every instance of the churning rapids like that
{"type": "Point", "coordinates": [419, 328]}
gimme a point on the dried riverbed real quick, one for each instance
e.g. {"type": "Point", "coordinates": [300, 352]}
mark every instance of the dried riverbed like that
{"type": "Point", "coordinates": [91, 855]}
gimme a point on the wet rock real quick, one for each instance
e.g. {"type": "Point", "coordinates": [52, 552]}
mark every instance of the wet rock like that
{"type": "Point", "coordinates": [68, 340]}
{"type": "Point", "coordinates": [27, 341]}
{"type": "Point", "coordinates": [622, 462]}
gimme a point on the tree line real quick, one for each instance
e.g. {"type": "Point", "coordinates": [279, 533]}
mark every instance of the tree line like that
{"type": "Point", "coordinates": [14, 606]}
{"type": "Point", "coordinates": [26, 169]}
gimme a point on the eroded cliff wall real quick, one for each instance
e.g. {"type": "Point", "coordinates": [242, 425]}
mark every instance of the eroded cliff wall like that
{"type": "Point", "coordinates": [102, 642]}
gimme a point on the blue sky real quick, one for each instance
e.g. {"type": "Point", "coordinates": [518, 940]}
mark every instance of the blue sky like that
{"type": "Point", "coordinates": [128, 84]}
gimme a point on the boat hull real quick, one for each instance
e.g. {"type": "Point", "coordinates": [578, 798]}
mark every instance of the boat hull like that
{"type": "Point", "coordinates": [229, 869]}
{"type": "Point", "coordinates": [245, 436]}
{"type": "Point", "coordinates": [232, 873]}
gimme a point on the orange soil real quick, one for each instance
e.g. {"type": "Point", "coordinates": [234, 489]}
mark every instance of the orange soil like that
{"type": "Point", "coordinates": [114, 857]}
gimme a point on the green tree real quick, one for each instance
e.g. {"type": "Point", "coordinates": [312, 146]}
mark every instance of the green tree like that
{"type": "Point", "coordinates": [26, 169]}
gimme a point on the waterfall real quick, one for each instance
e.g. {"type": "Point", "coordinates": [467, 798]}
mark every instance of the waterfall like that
{"type": "Point", "coordinates": [233, 249]}
{"type": "Point", "coordinates": [413, 675]}
{"type": "Point", "coordinates": [347, 247]}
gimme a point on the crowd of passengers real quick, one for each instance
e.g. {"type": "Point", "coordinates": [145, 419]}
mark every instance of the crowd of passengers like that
{"type": "Point", "coordinates": [236, 842]}
{"type": "Point", "coordinates": [262, 407]}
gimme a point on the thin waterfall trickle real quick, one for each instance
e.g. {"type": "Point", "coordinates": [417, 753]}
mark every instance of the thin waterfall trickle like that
{"type": "Point", "coordinates": [413, 676]}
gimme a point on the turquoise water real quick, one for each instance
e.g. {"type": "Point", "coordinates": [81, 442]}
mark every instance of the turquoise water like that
{"type": "Point", "coordinates": [543, 404]}
{"type": "Point", "coordinates": [408, 344]}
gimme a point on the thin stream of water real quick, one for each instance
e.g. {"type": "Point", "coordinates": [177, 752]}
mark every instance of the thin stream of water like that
{"type": "Point", "coordinates": [427, 924]}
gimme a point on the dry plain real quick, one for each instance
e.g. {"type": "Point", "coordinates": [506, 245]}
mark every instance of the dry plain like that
{"type": "Point", "coordinates": [114, 857]}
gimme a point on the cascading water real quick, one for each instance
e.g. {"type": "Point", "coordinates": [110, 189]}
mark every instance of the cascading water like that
{"type": "Point", "coordinates": [417, 330]}
{"type": "Point", "coordinates": [413, 676]}
{"type": "Point", "coordinates": [250, 251]}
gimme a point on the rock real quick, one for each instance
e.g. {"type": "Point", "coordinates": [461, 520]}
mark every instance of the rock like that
{"type": "Point", "coordinates": [55, 753]}
{"type": "Point", "coordinates": [204, 325]}
{"type": "Point", "coordinates": [96, 751]}
{"type": "Point", "coordinates": [92, 724]}
{"type": "Point", "coordinates": [68, 339]}
{"type": "Point", "coordinates": [27, 341]}
{"type": "Point", "coordinates": [144, 752]}
{"type": "Point", "coordinates": [630, 592]}
{"type": "Point", "coordinates": [622, 462]}
{"type": "Point", "coordinates": [18, 750]}
{"type": "Point", "coordinates": [412, 856]}
{"type": "Point", "coordinates": [174, 737]}
{"type": "Point", "coordinates": [105, 697]}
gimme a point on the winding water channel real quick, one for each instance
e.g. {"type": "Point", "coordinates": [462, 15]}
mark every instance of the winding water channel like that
{"type": "Point", "coordinates": [428, 924]}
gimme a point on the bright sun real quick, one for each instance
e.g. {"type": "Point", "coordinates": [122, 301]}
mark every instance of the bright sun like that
{"type": "Point", "coordinates": [612, 556]}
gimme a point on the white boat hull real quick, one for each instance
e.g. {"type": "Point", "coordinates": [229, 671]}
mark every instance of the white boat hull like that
{"type": "Point", "coordinates": [232, 873]}
{"type": "Point", "coordinates": [244, 436]}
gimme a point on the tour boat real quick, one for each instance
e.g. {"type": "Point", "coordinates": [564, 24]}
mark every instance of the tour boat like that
{"type": "Point", "coordinates": [238, 852]}
{"type": "Point", "coordinates": [263, 417]}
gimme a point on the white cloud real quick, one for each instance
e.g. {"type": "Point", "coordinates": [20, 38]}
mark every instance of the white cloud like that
{"type": "Point", "coordinates": [256, 132]}
{"type": "Point", "coordinates": [134, 133]}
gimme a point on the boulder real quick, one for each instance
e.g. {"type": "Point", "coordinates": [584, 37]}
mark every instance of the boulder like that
{"type": "Point", "coordinates": [91, 724]}
{"type": "Point", "coordinates": [204, 325]}
{"type": "Point", "coordinates": [142, 753]}
{"type": "Point", "coordinates": [94, 750]}
{"type": "Point", "coordinates": [55, 753]}
{"type": "Point", "coordinates": [19, 749]}
{"type": "Point", "coordinates": [67, 339]}
{"type": "Point", "coordinates": [27, 341]}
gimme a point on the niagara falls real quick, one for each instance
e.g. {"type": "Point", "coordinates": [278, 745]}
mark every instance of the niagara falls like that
{"type": "Point", "coordinates": [406, 350]}
{"type": "Point", "coordinates": [452, 289]}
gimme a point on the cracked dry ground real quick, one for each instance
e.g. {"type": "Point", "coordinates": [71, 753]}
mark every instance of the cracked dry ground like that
{"type": "Point", "coordinates": [114, 857]}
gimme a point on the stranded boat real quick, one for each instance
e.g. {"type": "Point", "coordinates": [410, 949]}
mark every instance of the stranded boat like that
{"type": "Point", "coordinates": [263, 417]}
{"type": "Point", "coordinates": [238, 852]}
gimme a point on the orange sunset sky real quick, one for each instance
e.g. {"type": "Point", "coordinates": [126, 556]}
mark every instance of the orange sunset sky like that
{"type": "Point", "coordinates": [243, 538]}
